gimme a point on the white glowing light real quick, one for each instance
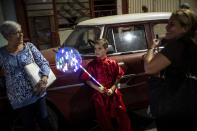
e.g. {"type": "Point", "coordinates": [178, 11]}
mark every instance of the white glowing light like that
{"type": "Point", "coordinates": [129, 37]}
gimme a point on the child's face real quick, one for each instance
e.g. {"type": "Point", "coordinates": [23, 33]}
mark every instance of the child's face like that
{"type": "Point", "coordinates": [100, 51]}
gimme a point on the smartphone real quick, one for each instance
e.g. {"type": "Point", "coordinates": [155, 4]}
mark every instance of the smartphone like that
{"type": "Point", "coordinates": [156, 36]}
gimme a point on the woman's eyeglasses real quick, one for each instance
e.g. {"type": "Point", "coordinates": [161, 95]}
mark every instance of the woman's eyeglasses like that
{"type": "Point", "coordinates": [17, 33]}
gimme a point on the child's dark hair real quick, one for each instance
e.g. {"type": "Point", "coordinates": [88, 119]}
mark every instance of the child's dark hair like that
{"type": "Point", "coordinates": [102, 42]}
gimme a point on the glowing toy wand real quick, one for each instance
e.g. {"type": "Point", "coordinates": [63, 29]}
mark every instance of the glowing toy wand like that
{"type": "Point", "coordinates": [69, 60]}
{"type": "Point", "coordinates": [92, 77]}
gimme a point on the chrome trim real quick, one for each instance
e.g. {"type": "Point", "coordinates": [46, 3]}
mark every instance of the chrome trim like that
{"type": "Point", "coordinates": [82, 84]}
{"type": "Point", "coordinates": [123, 85]}
{"type": "Point", "coordinates": [66, 86]}
{"type": "Point", "coordinates": [102, 31]}
{"type": "Point", "coordinates": [120, 63]}
{"type": "Point", "coordinates": [114, 43]}
{"type": "Point", "coordinates": [132, 75]}
{"type": "Point", "coordinates": [127, 52]}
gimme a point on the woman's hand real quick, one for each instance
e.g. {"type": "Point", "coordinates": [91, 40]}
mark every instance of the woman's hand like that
{"type": "Point", "coordinates": [156, 43]}
{"type": "Point", "coordinates": [41, 86]}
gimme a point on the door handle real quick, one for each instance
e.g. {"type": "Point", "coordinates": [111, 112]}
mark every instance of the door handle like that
{"type": "Point", "coordinates": [120, 63]}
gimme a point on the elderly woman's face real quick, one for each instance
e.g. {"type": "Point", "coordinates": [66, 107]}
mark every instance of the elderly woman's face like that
{"type": "Point", "coordinates": [174, 29]}
{"type": "Point", "coordinates": [16, 38]}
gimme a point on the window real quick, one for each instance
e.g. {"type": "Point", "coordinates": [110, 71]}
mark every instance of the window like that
{"type": "Point", "coordinates": [41, 32]}
{"type": "Point", "coordinates": [127, 38]}
{"type": "Point", "coordinates": [83, 39]}
{"type": "Point", "coordinates": [42, 23]}
{"type": "Point", "coordinates": [159, 29]}
{"type": "Point", "coordinates": [104, 7]}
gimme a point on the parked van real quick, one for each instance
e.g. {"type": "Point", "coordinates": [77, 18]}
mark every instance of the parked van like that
{"type": "Point", "coordinates": [130, 35]}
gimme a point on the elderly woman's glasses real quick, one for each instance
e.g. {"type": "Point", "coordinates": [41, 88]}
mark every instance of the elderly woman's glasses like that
{"type": "Point", "coordinates": [17, 33]}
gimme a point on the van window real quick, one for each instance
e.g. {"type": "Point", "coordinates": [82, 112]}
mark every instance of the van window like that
{"type": "Point", "coordinates": [160, 29]}
{"type": "Point", "coordinates": [83, 39]}
{"type": "Point", "coordinates": [127, 38]}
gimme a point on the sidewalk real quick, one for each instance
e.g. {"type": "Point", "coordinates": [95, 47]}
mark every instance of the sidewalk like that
{"type": "Point", "coordinates": [154, 129]}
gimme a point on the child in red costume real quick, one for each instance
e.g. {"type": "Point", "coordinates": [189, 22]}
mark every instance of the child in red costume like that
{"type": "Point", "coordinates": [108, 104]}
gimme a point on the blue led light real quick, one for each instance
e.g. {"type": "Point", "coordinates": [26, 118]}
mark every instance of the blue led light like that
{"type": "Point", "coordinates": [68, 59]}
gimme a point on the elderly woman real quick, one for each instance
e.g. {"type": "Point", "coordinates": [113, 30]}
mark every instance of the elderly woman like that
{"type": "Point", "coordinates": [22, 96]}
{"type": "Point", "coordinates": [177, 59]}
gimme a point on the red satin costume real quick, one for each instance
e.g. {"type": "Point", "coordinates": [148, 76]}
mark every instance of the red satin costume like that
{"type": "Point", "coordinates": [106, 72]}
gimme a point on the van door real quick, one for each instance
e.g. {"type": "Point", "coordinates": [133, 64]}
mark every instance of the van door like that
{"type": "Point", "coordinates": [129, 43]}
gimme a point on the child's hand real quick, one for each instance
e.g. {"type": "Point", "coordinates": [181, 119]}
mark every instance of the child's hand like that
{"type": "Point", "coordinates": [110, 92]}
{"type": "Point", "coordinates": [101, 90]}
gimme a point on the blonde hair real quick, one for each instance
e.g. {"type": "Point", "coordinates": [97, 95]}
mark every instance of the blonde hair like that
{"type": "Point", "coordinates": [102, 42]}
{"type": "Point", "coordinates": [187, 19]}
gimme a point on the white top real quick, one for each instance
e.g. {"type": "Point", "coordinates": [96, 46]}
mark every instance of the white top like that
{"type": "Point", "coordinates": [126, 18]}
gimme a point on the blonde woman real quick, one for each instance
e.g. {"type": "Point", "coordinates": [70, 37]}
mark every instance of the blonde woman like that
{"type": "Point", "coordinates": [177, 59]}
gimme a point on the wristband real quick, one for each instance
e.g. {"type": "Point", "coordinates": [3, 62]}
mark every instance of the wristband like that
{"type": "Point", "coordinates": [110, 89]}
